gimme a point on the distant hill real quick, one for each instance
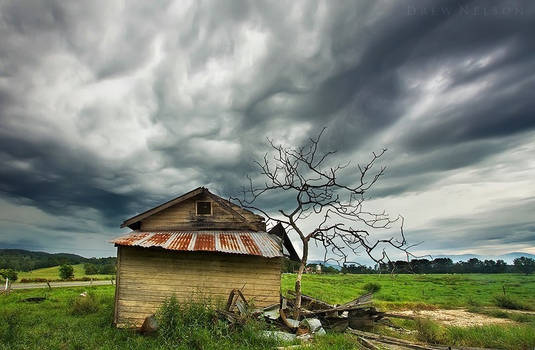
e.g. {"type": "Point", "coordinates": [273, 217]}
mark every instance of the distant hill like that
{"type": "Point", "coordinates": [25, 260]}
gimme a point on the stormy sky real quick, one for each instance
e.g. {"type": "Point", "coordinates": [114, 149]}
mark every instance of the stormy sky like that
{"type": "Point", "coordinates": [108, 108]}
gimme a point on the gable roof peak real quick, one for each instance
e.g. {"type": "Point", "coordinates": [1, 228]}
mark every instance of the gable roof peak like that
{"type": "Point", "coordinates": [227, 205]}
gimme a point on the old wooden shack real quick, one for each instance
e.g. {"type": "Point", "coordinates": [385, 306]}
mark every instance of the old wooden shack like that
{"type": "Point", "coordinates": [196, 245]}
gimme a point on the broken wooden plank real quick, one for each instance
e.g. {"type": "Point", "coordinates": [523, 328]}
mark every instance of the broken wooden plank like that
{"type": "Point", "coordinates": [394, 341]}
{"type": "Point", "coordinates": [237, 299]}
{"type": "Point", "coordinates": [366, 343]}
{"type": "Point", "coordinates": [312, 303]}
{"type": "Point", "coordinates": [334, 309]}
{"type": "Point", "coordinates": [358, 303]}
{"type": "Point", "coordinates": [362, 300]}
{"type": "Point", "coordinates": [406, 343]}
{"type": "Point", "coordinates": [336, 324]}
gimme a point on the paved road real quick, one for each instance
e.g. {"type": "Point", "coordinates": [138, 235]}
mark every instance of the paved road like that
{"type": "Point", "coordinates": [59, 284]}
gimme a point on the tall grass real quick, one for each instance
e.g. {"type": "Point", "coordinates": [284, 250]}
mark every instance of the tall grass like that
{"type": "Point", "coordinates": [510, 336]}
{"type": "Point", "coordinates": [429, 331]}
{"type": "Point", "coordinates": [515, 337]}
{"type": "Point", "coordinates": [372, 287]}
{"type": "Point", "coordinates": [9, 326]}
{"type": "Point", "coordinates": [509, 303]}
{"type": "Point", "coordinates": [83, 305]}
{"type": "Point", "coordinates": [195, 324]}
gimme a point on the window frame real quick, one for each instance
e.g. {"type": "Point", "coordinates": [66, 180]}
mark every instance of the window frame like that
{"type": "Point", "coordinates": [197, 208]}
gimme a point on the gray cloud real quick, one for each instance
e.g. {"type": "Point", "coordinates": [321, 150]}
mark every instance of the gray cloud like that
{"type": "Point", "coordinates": [109, 108]}
{"type": "Point", "coordinates": [505, 224]}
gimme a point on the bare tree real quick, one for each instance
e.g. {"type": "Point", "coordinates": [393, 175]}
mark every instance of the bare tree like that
{"type": "Point", "coordinates": [331, 196]}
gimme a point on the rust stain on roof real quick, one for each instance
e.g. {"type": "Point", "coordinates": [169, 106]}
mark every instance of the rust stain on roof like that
{"type": "Point", "coordinates": [250, 245]}
{"type": "Point", "coordinates": [205, 242]}
{"type": "Point", "coordinates": [157, 239]}
{"type": "Point", "coordinates": [130, 239]}
{"type": "Point", "coordinates": [232, 242]}
{"type": "Point", "coordinates": [229, 242]}
{"type": "Point", "coordinates": [180, 241]}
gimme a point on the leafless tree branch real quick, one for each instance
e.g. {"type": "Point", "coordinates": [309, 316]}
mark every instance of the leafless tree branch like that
{"type": "Point", "coordinates": [333, 192]}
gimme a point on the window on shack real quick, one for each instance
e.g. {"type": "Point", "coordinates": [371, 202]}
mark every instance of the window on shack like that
{"type": "Point", "coordinates": [204, 208]}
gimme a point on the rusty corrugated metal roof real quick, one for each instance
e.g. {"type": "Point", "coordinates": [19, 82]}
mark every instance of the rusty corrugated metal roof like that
{"type": "Point", "coordinates": [234, 242]}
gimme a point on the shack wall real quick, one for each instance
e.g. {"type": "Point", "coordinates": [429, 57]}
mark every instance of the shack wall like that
{"type": "Point", "coordinates": [145, 277]}
{"type": "Point", "coordinates": [182, 216]}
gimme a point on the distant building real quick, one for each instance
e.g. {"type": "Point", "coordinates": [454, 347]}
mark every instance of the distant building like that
{"type": "Point", "coordinates": [313, 269]}
{"type": "Point", "coordinates": [196, 244]}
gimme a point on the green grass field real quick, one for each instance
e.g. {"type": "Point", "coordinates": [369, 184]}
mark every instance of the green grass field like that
{"type": "Point", "coordinates": [52, 273]}
{"type": "Point", "coordinates": [412, 290]}
{"type": "Point", "coordinates": [52, 324]}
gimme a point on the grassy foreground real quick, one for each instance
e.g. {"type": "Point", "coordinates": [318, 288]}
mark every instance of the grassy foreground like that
{"type": "Point", "coordinates": [57, 323]}
{"type": "Point", "coordinates": [63, 321]}
{"type": "Point", "coordinates": [52, 273]}
{"type": "Point", "coordinates": [51, 324]}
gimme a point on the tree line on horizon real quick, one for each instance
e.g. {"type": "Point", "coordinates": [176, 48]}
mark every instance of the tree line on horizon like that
{"type": "Point", "coordinates": [446, 265]}
{"type": "Point", "coordinates": [523, 265]}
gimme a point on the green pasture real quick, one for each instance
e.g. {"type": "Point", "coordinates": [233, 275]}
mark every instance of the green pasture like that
{"type": "Point", "coordinates": [410, 291]}
{"type": "Point", "coordinates": [52, 273]}
{"type": "Point", "coordinates": [58, 323]}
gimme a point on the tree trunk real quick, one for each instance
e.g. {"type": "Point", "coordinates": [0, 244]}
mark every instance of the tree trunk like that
{"type": "Point", "coordinates": [297, 308]}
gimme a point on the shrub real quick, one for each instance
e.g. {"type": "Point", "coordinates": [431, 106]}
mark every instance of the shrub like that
{"type": "Point", "coordinates": [508, 303]}
{"type": "Point", "coordinates": [372, 287]}
{"type": "Point", "coordinates": [9, 326]}
{"type": "Point", "coordinates": [195, 325]}
{"type": "Point", "coordinates": [183, 323]}
{"type": "Point", "coordinates": [498, 314]}
{"type": "Point", "coordinates": [94, 269]}
{"type": "Point", "coordinates": [84, 305]}
{"type": "Point", "coordinates": [428, 331]}
{"type": "Point", "coordinates": [90, 269]}
{"type": "Point", "coordinates": [66, 272]}
{"type": "Point", "coordinates": [107, 269]}
{"type": "Point", "coordinates": [168, 319]}
{"type": "Point", "coordinates": [524, 318]}
{"type": "Point", "coordinates": [473, 302]}
{"type": "Point", "coordinates": [9, 273]}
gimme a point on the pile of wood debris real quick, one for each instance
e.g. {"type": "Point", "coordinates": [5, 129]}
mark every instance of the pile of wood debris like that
{"type": "Point", "coordinates": [315, 315]}
{"type": "Point", "coordinates": [354, 317]}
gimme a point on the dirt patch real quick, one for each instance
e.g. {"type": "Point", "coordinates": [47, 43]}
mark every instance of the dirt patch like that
{"type": "Point", "coordinates": [456, 317]}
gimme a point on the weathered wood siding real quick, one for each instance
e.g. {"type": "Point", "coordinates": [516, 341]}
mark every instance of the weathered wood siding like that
{"type": "Point", "coordinates": [183, 216]}
{"type": "Point", "coordinates": [147, 276]}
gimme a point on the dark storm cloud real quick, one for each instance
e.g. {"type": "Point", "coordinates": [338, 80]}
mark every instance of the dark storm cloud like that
{"type": "Point", "coordinates": [57, 179]}
{"type": "Point", "coordinates": [108, 108]}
